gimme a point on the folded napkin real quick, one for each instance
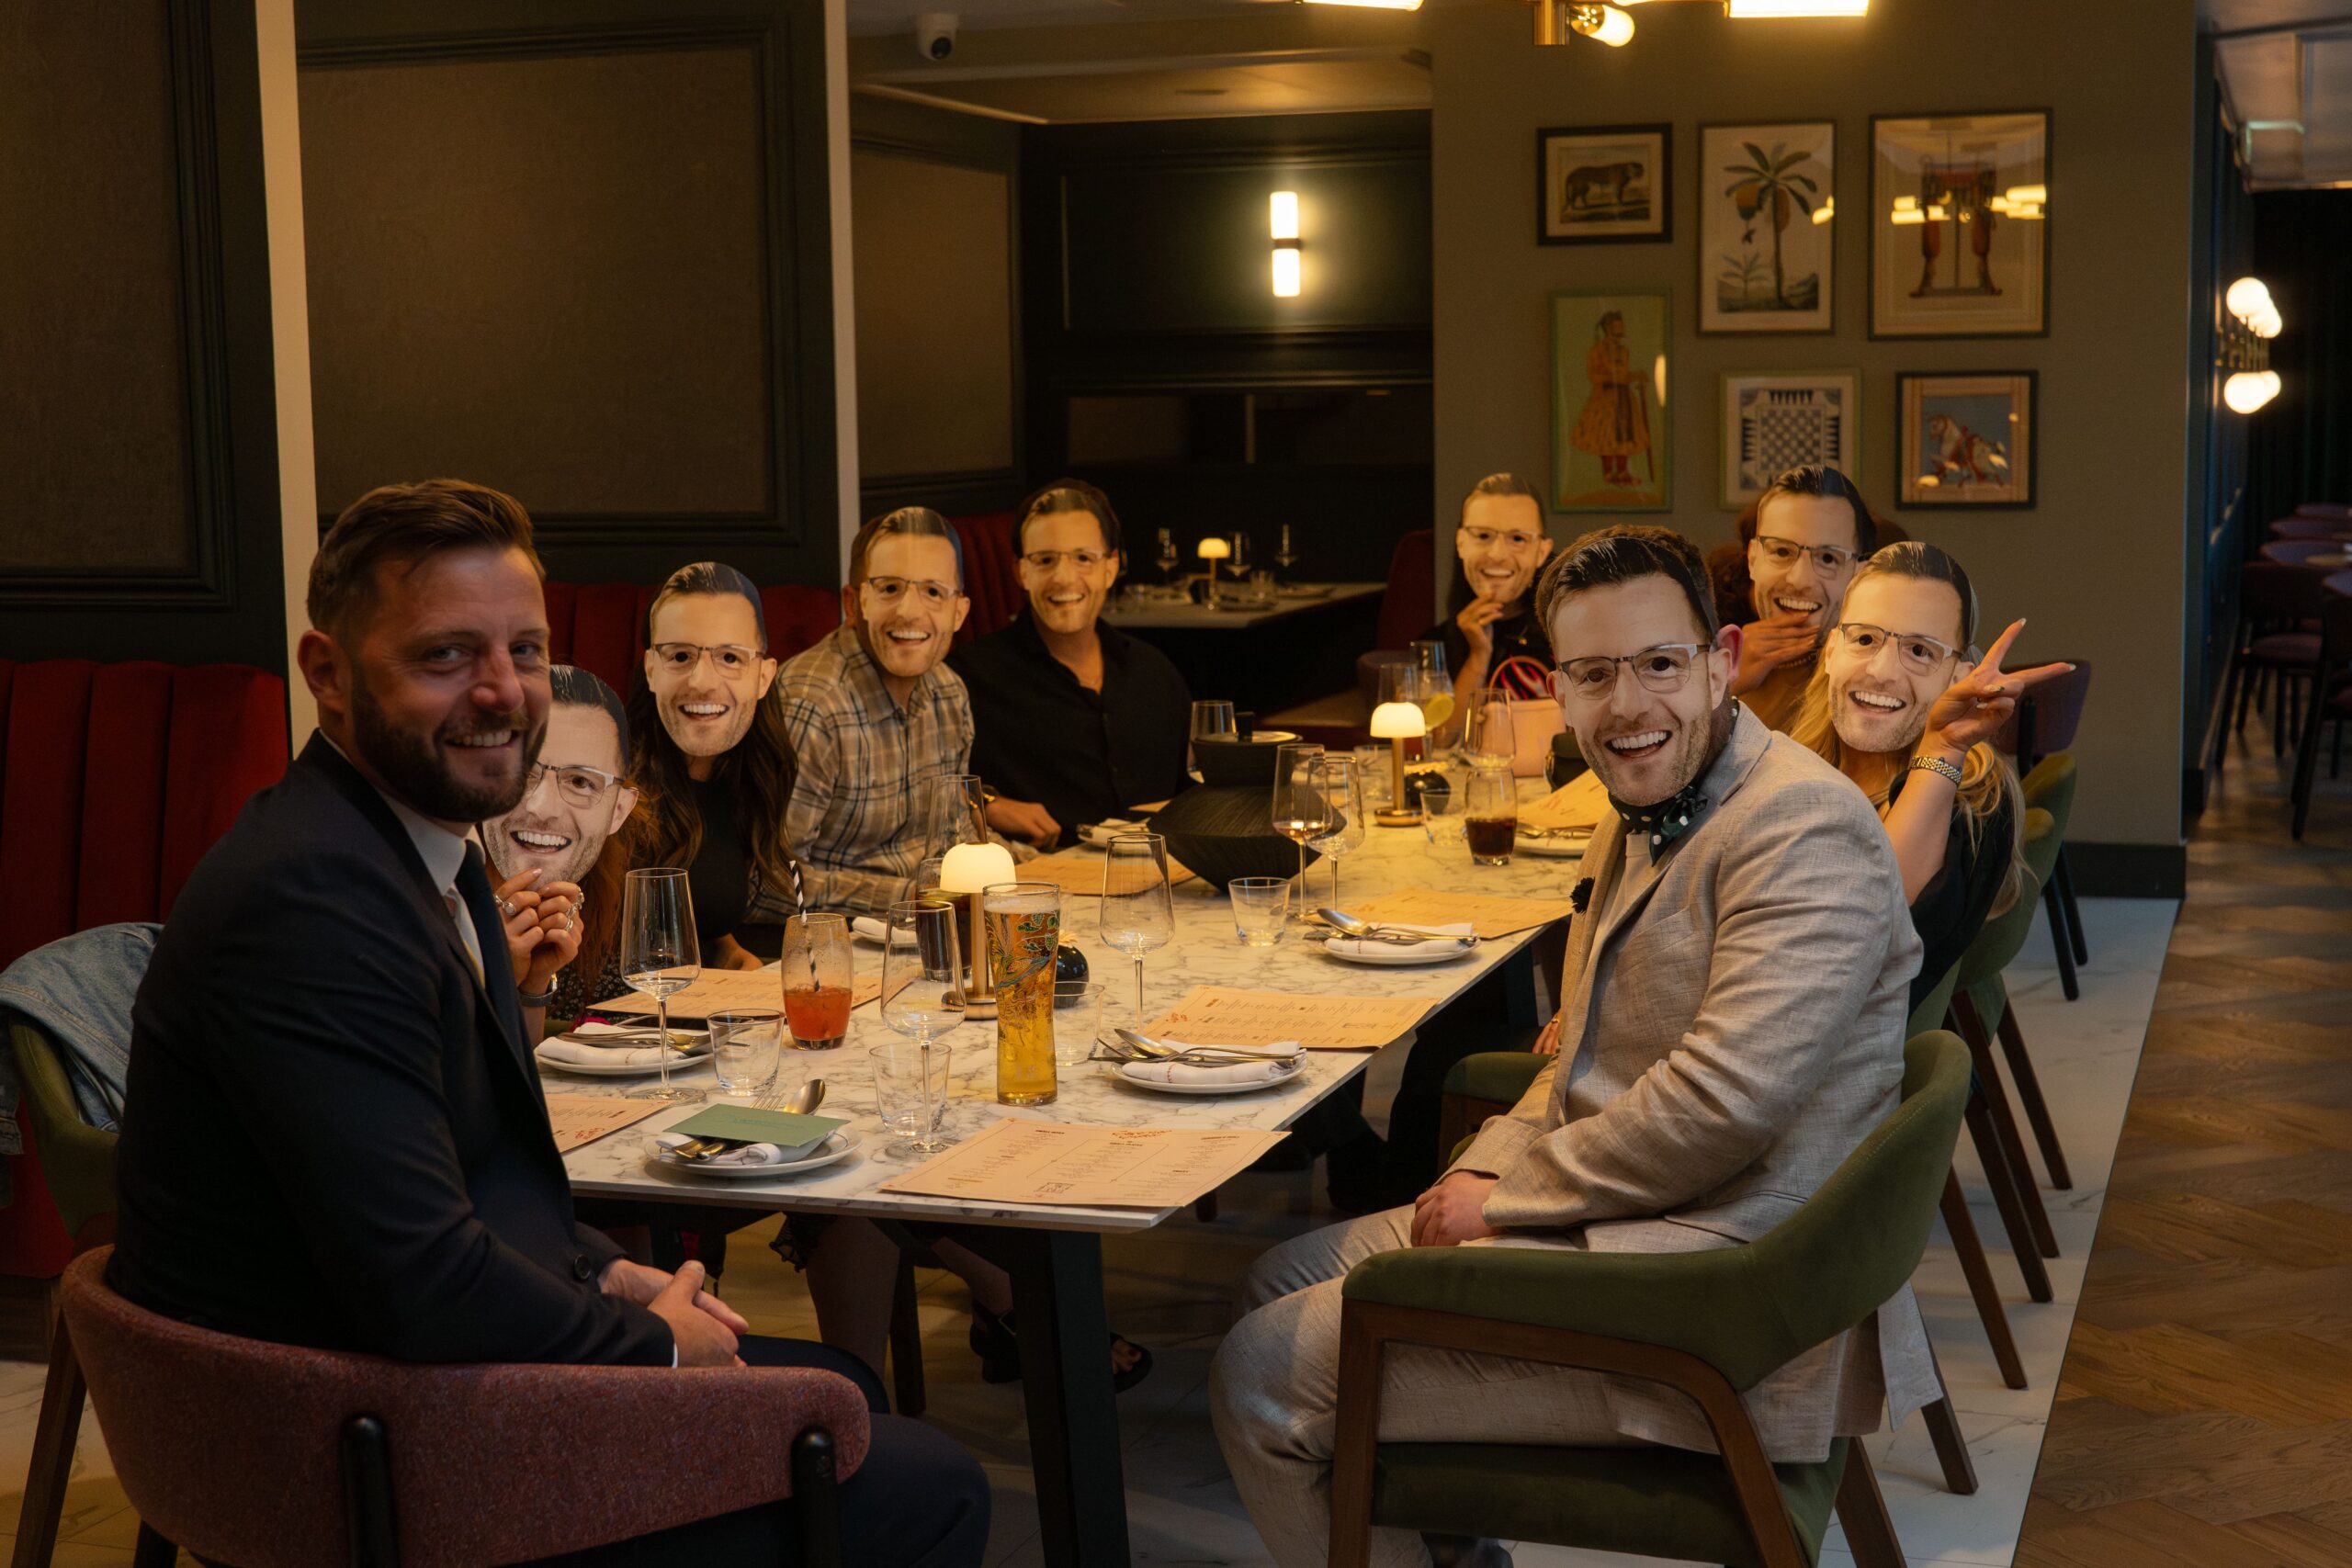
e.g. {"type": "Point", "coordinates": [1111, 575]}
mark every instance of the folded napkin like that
{"type": "Point", "coordinates": [1100, 834]}
{"type": "Point", "coordinates": [743, 1153]}
{"type": "Point", "coordinates": [871, 929]}
{"type": "Point", "coordinates": [1237, 1072]}
{"type": "Point", "coordinates": [1376, 946]}
{"type": "Point", "coordinates": [572, 1053]}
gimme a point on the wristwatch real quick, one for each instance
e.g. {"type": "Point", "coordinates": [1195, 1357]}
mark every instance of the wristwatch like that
{"type": "Point", "coordinates": [1938, 766]}
{"type": "Point", "coordinates": [542, 999]}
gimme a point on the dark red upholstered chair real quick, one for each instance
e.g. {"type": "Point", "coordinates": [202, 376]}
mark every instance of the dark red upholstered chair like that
{"type": "Point", "coordinates": [2275, 602]}
{"type": "Point", "coordinates": [1406, 612]}
{"type": "Point", "coordinates": [2299, 552]}
{"type": "Point", "coordinates": [114, 781]}
{"type": "Point", "coordinates": [992, 572]}
{"type": "Point", "coordinates": [2331, 698]}
{"type": "Point", "coordinates": [2299, 527]}
{"type": "Point", "coordinates": [2043, 724]}
{"type": "Point", "coordinates": [272, 1456]}
{"type": "Point", "coordinates": [600, 626]}
{"type": "Point", "coordinates": [2336, 511]}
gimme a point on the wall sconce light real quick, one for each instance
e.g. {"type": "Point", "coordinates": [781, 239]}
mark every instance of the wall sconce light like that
{"type": "Point", "coordinates": [1745, 9]}
{"type": "Point", "coordinates": [1558, 20]}
{"type": "Point", "coordinates": [1374, 5]}
{"type": "Point", "coordinates": [1282, 215]}
{"type": "Point", "coordinates": [2253, 321]}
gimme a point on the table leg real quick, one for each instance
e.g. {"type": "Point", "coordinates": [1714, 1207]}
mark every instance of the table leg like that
{"type": "Point", "coordinates": [1065, 1379]}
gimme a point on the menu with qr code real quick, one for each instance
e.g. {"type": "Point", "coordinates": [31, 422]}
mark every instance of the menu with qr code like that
{"type": "Point", "coordinates": [1097, 1168]}
{"type": "Point", "coordinates": [1223, 1015]}
{"type": "Point", "coordinates": [718, 990]}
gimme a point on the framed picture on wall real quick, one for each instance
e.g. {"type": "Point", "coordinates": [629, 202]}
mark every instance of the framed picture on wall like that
{"type": "Point", "coordinates": [1965, 439]}
{"type": "Point", "coordinates": [1612, 439]}
{"type": "Point", "coordinates": [1960, 226]}
{"type": "Point", "coordinates": [1601, 182]}
{"type": "Point", "coordinates": [1773, 421]}
{"type": "Point", "coordinates": [1765, 253]}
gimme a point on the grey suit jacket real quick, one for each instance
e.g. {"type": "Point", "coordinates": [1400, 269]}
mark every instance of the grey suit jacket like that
{"type": "Point", "coordinates": [1732, 1028]}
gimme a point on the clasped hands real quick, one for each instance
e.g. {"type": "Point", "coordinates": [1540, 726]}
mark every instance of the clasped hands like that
{"type": "Point", "coordinates": [703, 1327]}
{"type": "Point", "coordinates": [542, 928]}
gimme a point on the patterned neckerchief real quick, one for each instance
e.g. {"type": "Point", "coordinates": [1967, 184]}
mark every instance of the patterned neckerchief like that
{"type": "Point", "coordinates": [1666, 821]}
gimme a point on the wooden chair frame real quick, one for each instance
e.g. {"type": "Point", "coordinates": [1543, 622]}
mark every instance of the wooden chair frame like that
{"type": "Point", "coordinates": [1368, 1328]}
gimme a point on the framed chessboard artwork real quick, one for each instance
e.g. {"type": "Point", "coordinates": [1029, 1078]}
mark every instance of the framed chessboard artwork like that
{"type": "Point", "coordinates": [1597, 184]}
{"type": "Point", "coordinates": [1765, 232]}
{"type": "Point", "coordinates": [1613, 433]}
{"type": "Point", "coordinates": [1966, 439]}
{"type": "Point", "coordinates": [1776, 420]}
{"type": "Point", "coordinates": [1959, 225]}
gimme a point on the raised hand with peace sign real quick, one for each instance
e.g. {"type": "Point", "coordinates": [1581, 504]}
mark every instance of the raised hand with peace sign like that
{"type": "Point", "coordinates": [1975, 708]}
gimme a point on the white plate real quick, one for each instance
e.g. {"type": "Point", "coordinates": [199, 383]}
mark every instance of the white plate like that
{"type": "Point", "coordinates": [1156, 1088]}
{"type": "Point", "coordinates": [624, 1071]}
{"type": "Point", "coordinates": [1557, 848]}
{"type": "Point", "coordinates": [1306, 590]}
{"type": "Point", "coordinates": [1399, 958]}
{"type": "Point", "coordinates": [839, 1145]}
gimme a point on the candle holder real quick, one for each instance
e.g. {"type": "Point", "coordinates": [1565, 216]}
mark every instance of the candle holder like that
{"type": "Point", "coordinates": [1397, 723]}
{"type": "Point", "coordinates": [964, 871]}
{"type": "Point", "coordinates": [1212, 550]}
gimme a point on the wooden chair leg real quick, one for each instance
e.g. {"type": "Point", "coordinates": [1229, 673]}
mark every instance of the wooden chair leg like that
{"type": "Point", "coordinates": [1998, 1177]}
{"type": "Point", "coordinates": [1962, 1228]}
{"type": "Point", "coordinates": [1869, 1534]}
{"type": "Point", "coordinates": [52, 1465]}
{"type": "Point", "coordinates": [906, 1343]}
{"type": "Point", "coordinates": [1204, 1208]}
{"type": "Point", "coordinates": [2064, 875]}
{"type": "Point", "coordinates": [2037, 1109]}
{"type": "Point", "coordinates": [2003, 1122]}
{"type": "Point", "coordinates": [1952, 1448]}
{"type": "Point", "coordinates": [2054, 908]}
{"type": "Point", "coordinates": [1357, 1447]}
{"type": "Point", "coordinates": [152, 1549]}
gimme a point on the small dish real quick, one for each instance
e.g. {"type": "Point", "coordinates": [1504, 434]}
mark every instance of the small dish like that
{"type": "Point", "coordinates": [838, 1146]}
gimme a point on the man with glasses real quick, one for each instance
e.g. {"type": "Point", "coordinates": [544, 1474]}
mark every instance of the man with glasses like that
{"type": "Point", "coordinates": [1074, 715]}
{"type": "Point", "coordinates": [875, 717]}
{"type": "Point", "coordinates": [1499, 545]}
{"type": "Point", "coordinates": [1708, 1081]}
{"type": "Point", "coordinates": [1811, 527]}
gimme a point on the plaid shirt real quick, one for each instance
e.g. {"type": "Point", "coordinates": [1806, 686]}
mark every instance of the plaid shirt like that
{"type": "Point", "coordinates": [857, 814]}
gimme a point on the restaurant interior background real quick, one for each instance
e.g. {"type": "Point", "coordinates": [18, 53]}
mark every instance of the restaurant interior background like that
{"type": "Point", "coordinates": [721, 286]}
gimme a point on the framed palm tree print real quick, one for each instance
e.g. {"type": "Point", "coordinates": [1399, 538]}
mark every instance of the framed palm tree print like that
{"type": "Point", "coordinates": [1766, 227]}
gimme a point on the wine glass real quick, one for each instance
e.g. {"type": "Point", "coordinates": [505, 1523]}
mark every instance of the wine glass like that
{"type": "Point", "coordinates": [921, 987]}
{"type": "Point", "coordinates": [1487, 738]}
{"type": "Point", "coordinates": [1300, 811]}
{"type": "Point", "coordinates": [1168, 555]}
{"type": "Point", "coordinates": [1138, 910]}
{"type": "Point", "coordinates": [1240, 561]}
{"type": "Point", "coordinates": [1208, 718]}
{"type": "Point", "coordinates": [660, 955]}
{"type": "Point", "coordinates": [1285, 557]}
{"type": "Point", "coordinates": [1341, 782]}
{"type": "Point", "coordinates": [1433, 692]}
{"type": "Point", "coordinates": [959, 812]}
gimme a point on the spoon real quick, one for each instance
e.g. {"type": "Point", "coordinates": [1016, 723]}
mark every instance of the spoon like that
{"type": "Point", "coordinates": [1350, 925]}
{"type": "Point", "coordinates": [805, 1099]}
{"type": "Point", "coordinates": [1150, 1047]}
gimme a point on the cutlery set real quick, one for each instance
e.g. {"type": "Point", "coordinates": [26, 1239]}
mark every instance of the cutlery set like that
{"type": "Point", "coordinates": [810, 1096]}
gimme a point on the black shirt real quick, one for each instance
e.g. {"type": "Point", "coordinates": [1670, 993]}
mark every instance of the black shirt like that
{"type": "Point", "coordinates": [1515, 634]}
{"type": "Point", "coordinates": [1039, 735]}
{"type": "Point", "coordinates": [1951, 910]}
{"type": "Point", "coordinates": [721, 874]}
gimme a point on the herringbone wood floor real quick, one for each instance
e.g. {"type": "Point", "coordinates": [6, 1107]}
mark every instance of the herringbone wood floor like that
{"type": "Point", "coordinates": [2205, 1413]}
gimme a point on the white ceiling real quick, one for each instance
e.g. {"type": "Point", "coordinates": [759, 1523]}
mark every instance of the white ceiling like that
{"type": "Point", "coordinates": [2290, 85]}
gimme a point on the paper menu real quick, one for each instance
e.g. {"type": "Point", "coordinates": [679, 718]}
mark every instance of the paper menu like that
{"type": "Point", "coordinates": [1050, 1162]}
{"type": "Point", "coordinates": [1582, 802]}
{"type": "Point", "coordinates": [581, 1119]}
{"type": "Point", "coordinates": [1081, 870]}
{"type": "Point", "coordinates": [1489, 915]}
{"type": "Point", "coordinates": [718, 989]}
{"type": "Point", "coordinates": [1220, 1015]}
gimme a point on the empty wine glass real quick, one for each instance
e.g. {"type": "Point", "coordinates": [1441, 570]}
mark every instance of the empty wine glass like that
{"type": "Point", "coordinates": [1138, 909]}
{"type": "Point", "coordinates": [1341, 782]}
{"type": "Point", "coordinates": [922, 985]}
{"type": "Point", "coordinates": [1167, 557]}
{"type": "Point", "coordinates": [1208, 718]}
{"type": "Point", "coordinates": [958, 811]}
{"type": "Point", "coordinates": [1300, 811]}
{"type": "Point", "coordinates": [660, 956]}
{"type": "Point", "coordinates": [1285, 556]}
{"type": "Point", "coordinates": [1240, 561]}
{"type": "Point", "coordinates": [1487, 738]}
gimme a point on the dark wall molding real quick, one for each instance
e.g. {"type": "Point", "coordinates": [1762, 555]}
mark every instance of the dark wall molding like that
{"type": "Point", "coordinates": [955, 494]}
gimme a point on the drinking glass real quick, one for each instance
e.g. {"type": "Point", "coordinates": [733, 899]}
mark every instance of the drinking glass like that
{"type": "Point", "coordinates": [1285, 555]}
{"type": "Point", "coordinates": [1169, 558]}
{"type": "Point", "coordinates": [817, 976]}
{"type": "Point", "coordinates": [921, 969]}
{"type": "Point", "coordinates": [1078, 1020]}
{"type": "Point", "coordinates": [1240, 561]}
{"type": "Point", "coordinates": [1024, 926]}
{"type": "Point", "coordinates": [660, 956]}
{"type": "Point", "coordinates": [1488, 740]}
{"type": "Point", "coordinates": [1371, 771]}
{"type": "Point", "coordinates": [910, 1094]}
{"type": "Point", "coordinates": [1434, 693]}
{"type": "Point", "coordinates": [1341, 782]}
{"type": "Point", "coordinates": [1490, 815]}
{"type": "Point", "coordinates": [1138, 908]}
{"type": "Point", "coordinates": [745, 1045]}
{"type": "Point", "coordinates": [1261, 908]}
{"type": "Point", "coordinates": [1300, 811]}
{"type": "Point", "coordinates": [1208, 718]}
{"type": "Point", "coordinates": [1441, 806]}
{"type": "Point", "coordinates": [1262, 584]}
{"type": "Point", "coordinates": [958, 811]}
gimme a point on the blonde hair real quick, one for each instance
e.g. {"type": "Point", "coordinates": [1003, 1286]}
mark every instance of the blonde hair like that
{"type": "Point", "coordinates": [1987, 781]}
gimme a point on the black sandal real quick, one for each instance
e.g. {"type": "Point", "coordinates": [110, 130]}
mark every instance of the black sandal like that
{"type": "Point", "coordinates": [997, 1344]}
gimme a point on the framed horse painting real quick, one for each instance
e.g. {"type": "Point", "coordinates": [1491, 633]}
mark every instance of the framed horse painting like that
{"type": "Point", "coordinates": [1599, 184]}
{"type": "Point", "coordinates": [1965, 440]}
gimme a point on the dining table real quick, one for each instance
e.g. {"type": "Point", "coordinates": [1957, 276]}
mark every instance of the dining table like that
{"type": "Point", "coordinates": [1257, 653]}
{"type": "Point", "coordinates": [1053, 1251]}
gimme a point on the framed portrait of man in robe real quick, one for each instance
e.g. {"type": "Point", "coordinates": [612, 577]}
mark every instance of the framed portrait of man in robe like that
{"type": "Point", "coordinates": [1612, 440]}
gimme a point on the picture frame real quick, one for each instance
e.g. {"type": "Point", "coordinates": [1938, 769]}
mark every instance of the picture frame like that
{"type": "Point", "coordinates": [1966, 439]}
{"type": "Point", "coordinates": [1612, 431]}
{"type": "Point", "coordinates": [1767, 230]}
{"type": "Point", "coordinates": [1605, 184]}
{"type": "Point", "coordinates": [1774, 420]}
{"type": "Point", "coordinates": [1959, 225]}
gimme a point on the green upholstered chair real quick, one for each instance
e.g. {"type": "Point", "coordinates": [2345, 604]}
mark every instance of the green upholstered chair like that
{"type": "Point", "coordinates": [1711, 1324]}
{"type": "Point", "coordinates": [77, 1161]}
{"type": "Point", "coordinates": [2050, 787]}
{"type": "Point", "coordinates": [1961, 1225]}
{"type": "Point", "coordinates": [1980, 1003]}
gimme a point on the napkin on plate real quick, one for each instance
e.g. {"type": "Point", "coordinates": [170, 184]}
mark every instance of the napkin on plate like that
{"type": "Point", "coordinates": [597, 1031]}
{"type": "Point", "coordinates": [572, 1054]}
{"type": "Point", "coordinates": [744, 1153]}
{"type": "Point", "coordinates": [871, 929]}
{"type": "Point", "coordinates": [1237, 1072]}
{"type": "Point", "coordinates": [1378, 947]}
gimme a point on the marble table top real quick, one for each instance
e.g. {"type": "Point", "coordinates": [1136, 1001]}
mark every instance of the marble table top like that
{"type": "Point", "coordinates": [1206, 951]}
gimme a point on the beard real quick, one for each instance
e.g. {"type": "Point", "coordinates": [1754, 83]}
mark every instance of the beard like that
{"type": "Point", "coordinates": [1692, 751]}
{"type": "Point", "coordinates": [411, 765]}
{"type": "Point", "coordinates": [1875, 735]}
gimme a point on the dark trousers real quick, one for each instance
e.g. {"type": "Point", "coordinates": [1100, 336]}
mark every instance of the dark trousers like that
{"type": "Point", "coordinates": [918, 1501]}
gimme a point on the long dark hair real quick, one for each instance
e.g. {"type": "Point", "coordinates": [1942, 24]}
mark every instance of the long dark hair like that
{"type": "Point", "coordinates": [757, 771]}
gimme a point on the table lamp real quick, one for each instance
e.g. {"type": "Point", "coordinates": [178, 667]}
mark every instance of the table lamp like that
{"type": "Point", "coordinates": [1212, 550]}
{"type": "Point", "coordinates": [1397, 723]}
{"type": "Point", "coordinates": [964, 871]}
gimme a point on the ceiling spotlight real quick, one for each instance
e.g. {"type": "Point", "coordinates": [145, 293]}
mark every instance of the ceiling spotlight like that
{"type": "Point", "coordinates": [1374, 5]}
{"type": "Point", "coordinates": [1603, 24]}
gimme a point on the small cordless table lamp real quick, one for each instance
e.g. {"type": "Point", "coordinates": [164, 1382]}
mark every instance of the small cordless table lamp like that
{"type": "Point", "coordinates": [1397, 723]}
{"type": "Point", "coordinates": [1212, 550]}
{"type": "Point", "coordinates": [965, 870]}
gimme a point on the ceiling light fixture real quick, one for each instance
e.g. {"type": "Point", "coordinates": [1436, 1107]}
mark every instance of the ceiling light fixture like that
{"type": "Point", "coordinates": [1281, 219]}
{"type": "Point", "coordinates": [1751, 9]}
{"type": "Point", "coordinates": [1373, 4]}
{"type": "Point", "coordinates": [1557, 21]}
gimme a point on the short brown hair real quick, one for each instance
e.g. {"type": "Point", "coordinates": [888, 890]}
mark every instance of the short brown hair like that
{"type": "Point", "coordinates": [1068, 495]}
{"type": "Point", "coordinates": [1827, 483]}
{"type": "Point", "coordinates": [402, 524]}
{"type": "Point", "coordinates": [1625, 552]}
{"type": "Point", "coordinates": [908, 522]}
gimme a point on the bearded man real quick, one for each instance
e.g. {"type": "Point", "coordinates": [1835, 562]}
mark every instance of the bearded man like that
{"type": "Point", "coordinates": [1705, 1086]}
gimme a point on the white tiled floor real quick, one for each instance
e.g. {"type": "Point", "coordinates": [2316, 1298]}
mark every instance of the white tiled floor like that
{"type": "Point", "coordinates": [1172, 1289]}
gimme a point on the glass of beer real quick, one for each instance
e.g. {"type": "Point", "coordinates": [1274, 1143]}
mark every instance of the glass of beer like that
{"type": "Point", "coordinates": [1490, 815]}
{"type": "Point", "coordinates": [1024, 926]}
{"type": "Point", "coordinates": [817, 972]}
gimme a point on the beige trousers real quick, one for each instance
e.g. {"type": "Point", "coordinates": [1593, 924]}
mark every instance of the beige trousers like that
{"type": "Point", "coordinates": [1274, 1390]}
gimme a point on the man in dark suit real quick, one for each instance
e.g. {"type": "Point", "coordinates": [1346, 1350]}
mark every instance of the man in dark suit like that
{"type": "Point", "coordinates": [333, 1134]}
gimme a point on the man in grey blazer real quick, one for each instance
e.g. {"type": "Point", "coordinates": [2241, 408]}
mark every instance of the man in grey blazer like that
{"type": "Point", "coordinates": [1735, 999]}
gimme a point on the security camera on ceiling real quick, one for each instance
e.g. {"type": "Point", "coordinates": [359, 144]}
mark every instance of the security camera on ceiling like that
{"type": "Point", "coordinates": [935, 34]}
